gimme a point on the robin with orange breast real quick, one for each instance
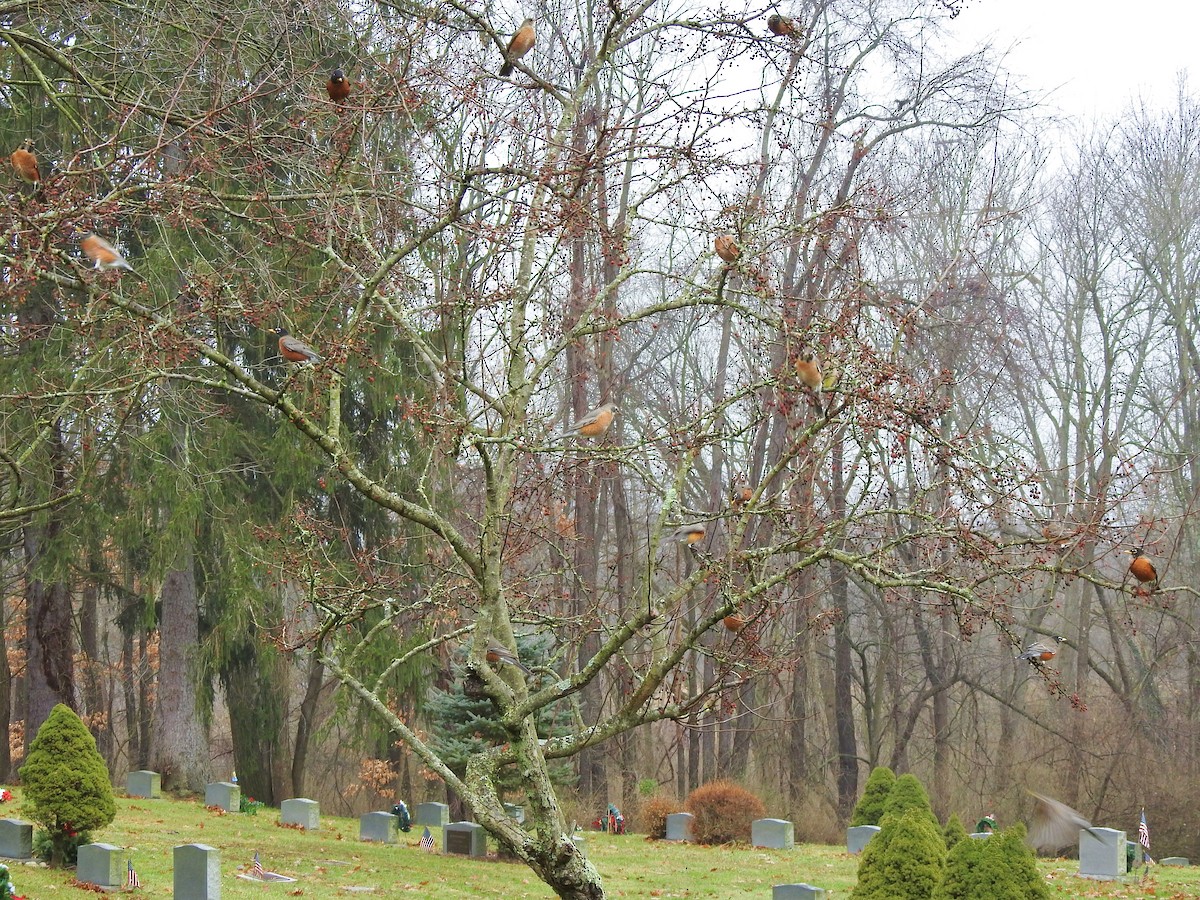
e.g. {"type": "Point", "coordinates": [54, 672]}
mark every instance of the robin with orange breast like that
{"type": "Point", "coordinates": [727, 248]}
{"type": "Point", "coordinates": [26, 163]}
{"type": "Point", "coordinates": [497, 655]}
{"type": "Point", "coordinates": [102, 253]}
{"type": "Point", "coordinates": [809, 372]}
{"type": "Point", "coordinates": [295, 350]}
{"type": "Point", "coordinates": [337, 86]}
{"type": "Point", "coordinates": [781, 26]}
{"type": "Point", "coordinates": [1142, 569]}
{"type": "Point", "coordinates": [689, 534]}
{"type": "Point", "coordinates": [521, 43]}
{"type": "Point", "coordinates": [595, 423]}
{"type": "Point", "coordinates": [1040, 651]}
{"type": "Point", "coordinates": [734, 622]}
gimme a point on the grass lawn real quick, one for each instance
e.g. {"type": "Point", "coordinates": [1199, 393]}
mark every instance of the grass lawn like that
{"type": "Point", "coordinates": [332, 862]}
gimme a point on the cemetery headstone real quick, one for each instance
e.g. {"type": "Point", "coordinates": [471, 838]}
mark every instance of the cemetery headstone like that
{"type": "Point", "coordinates": [467, 838]}
{"type": "Point", "coordinates": [16, 839]}
{"type": "Point", "coordinates": [517, 812]}
{"type": "Point", "coordinates": [774, 834]}
{"type": "Point", "coordinates": [1102, 853]}
{"type": "Point", "coordinates": [223, 794]}
{"type": "Point", "coordinates": [980, 834]}
{"type": "Point", "coordinates": [378, 826]}
{"type": "Point", "coordinates": [580, 841]}
{"type": "Point", "coordinates": [679, 826]}
{"type": "Point", "coordinates": [1174, 861]}
{"type": "Point", "coordinates": [857, 837]}
{"type": "Point", "coordinates": [197, 872]}
{"type": "Point", "coordinates": [797, 892]}
{"type": "Point", "coordinates": [303, 812]}
{"type": "Point", "coordinates": [144, 784]}
{"type": "Point", "coordinates": [436, 814]}
{"type": "Point", "coordinates": [100, 864]}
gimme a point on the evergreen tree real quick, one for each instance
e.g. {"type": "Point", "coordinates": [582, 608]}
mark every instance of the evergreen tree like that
{"type": "Point", "coordinates": [954, 831]}
{"type": "Point", "coordinates": [908, 793]}
{"type": "Point", "coordinates": [1001, 867]}
{"type": "Point", "coordinates": [870, 806]}
{"type": "Point", "coordinates": [67, 789]}
{"type": "Point", "coordinates": [905, 861]}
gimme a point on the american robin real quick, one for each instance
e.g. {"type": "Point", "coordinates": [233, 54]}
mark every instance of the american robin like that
{"type": "Point", "coordinates": [781, 26]}
{"type": "Point", "coordinates": [727, 248]}
{"type": "Point", "coordinates": [26, 163]}
{"type": "Point", "coordinates": [595, 423]}
{"type": "Point", "coordinates": [689, 534]}
{"type": "Point", "coordinates": [1141, 568]}
{"type": "Point", "coordinates": [740, 493]}
{"type": "Point", "coordinates": [1054, 824]}
{"type": "Point", "coordinates": [295, 350]}
{"type": "Point", "coordinates": [102, 253]}
{"type": "Point", "coordinates": [733, 622]}
{"type": "Point", "coordinates": [498, 655]}
{"type": "Point", "coordinates": [1040, 651]}
{"type": "Point", "coordinates": [337, 86]}
{"type": "Point", "coordinates": [809, 372]}
{"type": "Point", "coordinates": [520, 44]}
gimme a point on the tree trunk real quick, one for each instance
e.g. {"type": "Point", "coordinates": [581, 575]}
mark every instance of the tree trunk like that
{"type": "Point", "coordinates": [306, 723]}
{"type": "Point", "coordinates": [49, 636]}
{"type": "Point", "coordinates": [843, 673]}
{"type": "Point", "coordinates": [180, 751]}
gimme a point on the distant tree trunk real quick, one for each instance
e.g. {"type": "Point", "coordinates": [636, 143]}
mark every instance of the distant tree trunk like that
{"type": "Point", "coordinates": [256, 691]}
{"type": "Point", "coordinates": [129, 684]}
{"type": "Point", "coordinates": [49, 635]}
{"type": "Point", "coordinates": [306, 722]}
{"type": "Point", "coordinates": [843, 674]}
{"type": "Point", "coordinates": [6, 682]}
{"type": "Point", "coordinates": [145, 719]}
{"type": "Point", "coordinates": [180, 752]}
{"type": "Point", "coordinates": [93, 685]}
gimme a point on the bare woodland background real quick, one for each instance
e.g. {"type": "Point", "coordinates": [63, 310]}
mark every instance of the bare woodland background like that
{"type": "Point", "coordinates": [1011, 322]}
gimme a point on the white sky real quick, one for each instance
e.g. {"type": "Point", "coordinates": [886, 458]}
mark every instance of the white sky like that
{"type": "Point", "coordinates": [1094, 56]}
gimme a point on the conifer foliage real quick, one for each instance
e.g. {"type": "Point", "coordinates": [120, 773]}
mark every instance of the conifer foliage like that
{"type": "Point", "coordinates": [870, 806]}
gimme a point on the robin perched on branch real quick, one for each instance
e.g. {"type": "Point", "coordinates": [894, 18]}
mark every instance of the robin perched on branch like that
{"type": "Point", "coordinates": [498, 655]}
{"type": "Point", "coordinates": [595, 423]}
{"type": "Point", "coordinates": [1141, 568]}
{"type": "Point", "coordinates": [26, 163]}
{"type": "Point", "coordinates": [296, 351]}
{"type": "Point", "coordinates": [1054, 824]}
{"type": "Point", "coordinates": [727, 248]}
{"type": "Point", "coordinates": [521, 43]}
{"type": "Point", "coordinates": [809, 372]}
{"type": "Point", "coordinates": [337, 86]}
{"type": "Point", "coordinates": [1040, 651]}
{"type": "Point", "coordinates": [740, 492]}
{"type": "Point", "coordinates": [102, 253]}
{"type": "Point", "coordinates": [734, 622]}
{"type": "Point", "coordinates": [689, 534]}
{"type": "Point", "coordinates": [781, 26]}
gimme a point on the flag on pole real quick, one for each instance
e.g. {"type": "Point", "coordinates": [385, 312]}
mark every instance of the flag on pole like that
{"type": "Point", "coordinates": [258, 869]}
{"type": "Point", "coordinates": [132, 880]}
{"type": "Point", "coordinates": [1144, 839]}
{"type": "Point", "coordinates": [427, 839]}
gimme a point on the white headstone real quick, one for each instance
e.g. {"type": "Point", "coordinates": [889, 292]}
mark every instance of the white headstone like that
{"type": "Point", "coordinates": [101, 864]}
{"type": "Point", "coordinates": [378, 826]}
{"type": "Point", "coordinates": [858, 835]}
{"type": "Point", "coordinates": [301, 811]}
{"type": "Point", "coordinates": [1101, 853]}
{"type": "Point", "coordinates": [144, 783]}
{"type": "Point", "coordinates": [679, 826]}
{"type": "Point", "coordinates": [223, 794]}
{"type": "Point", "coordinates": [775, 834]}
{"type": "Point", "coordinates": [436, 814]}
{"type": "Point", "coordinates": [197, 872]}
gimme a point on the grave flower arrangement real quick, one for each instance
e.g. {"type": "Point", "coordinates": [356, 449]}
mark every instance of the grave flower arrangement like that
{"type": "Point", "coordinates": [8, 891]}
{"type": "Point", "coordinates": [249, 806]}
{"type": "Point", "coordinates": [5, 795]}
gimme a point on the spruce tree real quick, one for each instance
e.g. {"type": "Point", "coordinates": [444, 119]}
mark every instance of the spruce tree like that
{"type": "Point", "coordinates": [905, 861]}
{"type": "Point", "coordinates": [954, 831]}
{"type": "Point", "coordinates": [870, 806]}
{"type": "Point", "coordinates": [908, 793]}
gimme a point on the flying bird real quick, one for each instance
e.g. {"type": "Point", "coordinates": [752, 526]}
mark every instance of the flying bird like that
{"type": "Point", "coordinates": [781, 26]}
{"type": "Point", "coordinates": [689, 534]}
{"type": "Point", "coordinates": [1141, 568]}
{"type": "Point", "coordinates": [337, 86]}
{"type": "Point", "coordinates": [520, 44]}
{"type": "Point", "coordinates": [727, 248]}
{"type": "Point", "coordinates": [595, 423]}
{"type": "Point", "coordinates": [1040, 651]}
{"type": "Point", "coordinates": [498, 655]}
{"type": "Point", "coordinates": [102, 253]}
{"type": "Point", "coordinates": [26, 163]}
{"type": "Point", "coordinates": [1054, 824]}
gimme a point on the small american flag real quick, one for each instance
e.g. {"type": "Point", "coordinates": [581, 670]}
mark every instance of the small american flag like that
{"type": "Point", "coordinates": [132, 880]}
{"type": "Point", "coordinates": [258, 869]}
{"type": "Point", "coordinates": [427, 840]}
{"type": "Point", "coordinates": [1144, 838]}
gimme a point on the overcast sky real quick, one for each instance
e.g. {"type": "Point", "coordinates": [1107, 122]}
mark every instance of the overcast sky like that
{"type": "Point", "coordinates": [1094, 56]}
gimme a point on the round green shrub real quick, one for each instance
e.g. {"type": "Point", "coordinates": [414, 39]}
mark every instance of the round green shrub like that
{"type": "Point", "coordinates": [905, 861]}
{"type": "Point", "coordinates": [954, 831]}
{"type": "Point", "coordinates": [997, 868]}
{"type": "Point", "coordinates": [908, 793]}
{"type": "Point", "coordinates": [66, 785]}
{"type": "Point", "coordinates": [870, 806]}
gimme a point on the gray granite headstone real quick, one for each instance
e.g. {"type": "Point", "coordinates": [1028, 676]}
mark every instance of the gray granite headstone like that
{"type": "Point", "coordinates": [980, 835]}
{"type": "Point", "coordinates": [144, 784]}
{"type": "Point", "coordinates": [436, 814]}
{"type": "Point", "coordinates": [223, 794]}
{"type": "Point", "coordinates": [197, 872]}
{"type": "Point", "coordinates": [16, 839]}
{"type": "Point", "coordinates": [797, 892]}
{"type": "Point", "coordinates": [774, 834]}
{"type": "Point", "coordinates": [303, 812]}
{"type": "Point", "coordinates": [101, 864]}
{"type": "Point", "coordinates": [1174, 861]}
{"type": "Point", "coordinates": [679, 826]}
{"type": "Point", "coordinates": [378, 826]}
{"type": "Point", "coordinates": [857, 837]}
{"type": "Point", "coordinates": [466, 838]}
{"type": "Point", "coordinates": [580, 841]}
{"type": "Point", "coordinates": [517, 812]}
{"type": "Point", "coordinates": [1102, 853]}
